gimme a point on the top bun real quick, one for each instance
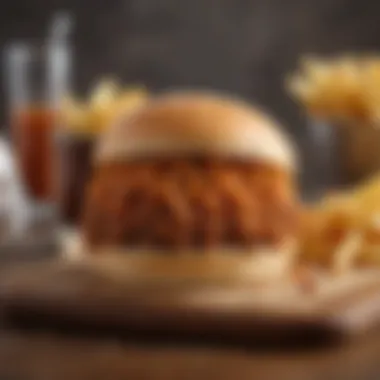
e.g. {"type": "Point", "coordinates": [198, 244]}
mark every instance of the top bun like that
{"type": "Point", "coordinates": [193, 123]}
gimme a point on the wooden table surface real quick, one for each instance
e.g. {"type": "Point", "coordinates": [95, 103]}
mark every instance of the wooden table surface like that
{"type": "Point", "coordinates": [47, 355]}
{"type": "Point", "coordinates": [51, 355]}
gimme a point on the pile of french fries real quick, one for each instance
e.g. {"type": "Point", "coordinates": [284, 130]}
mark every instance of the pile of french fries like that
{"type": "Point", "coordinates": [345, 88]}
{"type": "Point", "coordinates": [106, 102]}
{"type": "Point", "coordinates": [343, 230]}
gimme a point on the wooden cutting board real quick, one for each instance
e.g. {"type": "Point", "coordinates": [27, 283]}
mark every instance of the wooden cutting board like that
{"type": "Point", "coordinates": [189, 297]}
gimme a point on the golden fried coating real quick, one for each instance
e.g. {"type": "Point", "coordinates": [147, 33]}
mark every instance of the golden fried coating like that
{"type": "Point", "coordinates": [189, 203]}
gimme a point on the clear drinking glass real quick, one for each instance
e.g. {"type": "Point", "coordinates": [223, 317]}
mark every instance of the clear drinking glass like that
{"type": "Point", "coordinates": [38, 76]}
{"type": "Point", "coordinates": [324, 169]}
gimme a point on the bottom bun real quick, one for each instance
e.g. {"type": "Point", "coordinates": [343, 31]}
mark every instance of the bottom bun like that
{"type": "Point", "coordinates": [257, 264]}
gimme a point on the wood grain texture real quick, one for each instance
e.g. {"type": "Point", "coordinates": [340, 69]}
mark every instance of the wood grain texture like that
{"type": "Point", "coordinates": [143, 295]}
{"type": "Point", "coordinates": [47, 355]}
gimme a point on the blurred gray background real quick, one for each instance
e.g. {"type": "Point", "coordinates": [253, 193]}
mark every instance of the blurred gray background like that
{"type": "Point", "coordinates": [241, 46]}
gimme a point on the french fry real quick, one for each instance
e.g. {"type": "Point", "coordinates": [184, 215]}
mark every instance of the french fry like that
{"type": "Point", "coordinates": [106, 102]}
{"type": "Point", "coordinates": [343, 229]}
{"type": "Point", "coordinates": [346, 88]}
{"type": "Point", "coordinates": [75, 115]}
{"type": "Point", "coordinates": [104, 94]}
{"type": "Point", "coordinates": [346, 253]}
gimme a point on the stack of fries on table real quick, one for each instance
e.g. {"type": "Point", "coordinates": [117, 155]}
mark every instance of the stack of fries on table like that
{"type": "Point", "coordinates": [343, 229]}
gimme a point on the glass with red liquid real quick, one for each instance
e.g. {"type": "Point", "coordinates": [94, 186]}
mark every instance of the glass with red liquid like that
{"type": "Point", "coordinates": [38, 78]}
{"type": "Point", "coordinates": [75, 151]}
{"type": "Point", "coordinates": [33, 136]}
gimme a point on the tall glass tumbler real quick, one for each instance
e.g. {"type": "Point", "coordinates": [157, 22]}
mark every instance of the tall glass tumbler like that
{"type": "Point", "coordinates": [38, 76]}
{"type": "Point", "coordinates": [325, 166]}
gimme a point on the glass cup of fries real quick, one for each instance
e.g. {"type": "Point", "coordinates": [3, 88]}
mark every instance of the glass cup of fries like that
{"type": "Point", "coordinates": [83, 123]}
{"type": "Point", "coordinates": [341, 97]}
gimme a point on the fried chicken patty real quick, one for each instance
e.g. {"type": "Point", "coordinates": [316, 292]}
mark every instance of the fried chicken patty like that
{"type": "Point", "coordinates": [189, 203]}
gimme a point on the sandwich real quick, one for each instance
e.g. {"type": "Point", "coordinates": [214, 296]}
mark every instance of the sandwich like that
{"type": "Point", "coordinates": [199, 174]}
